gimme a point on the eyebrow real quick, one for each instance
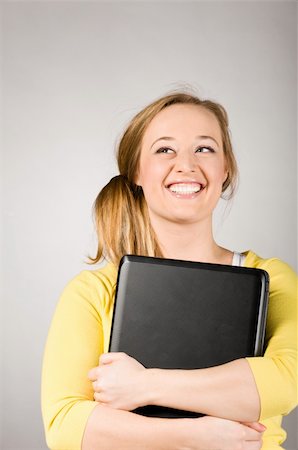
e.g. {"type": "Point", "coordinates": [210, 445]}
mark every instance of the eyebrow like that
{"type": "Point", "coordinates": [168, 138]}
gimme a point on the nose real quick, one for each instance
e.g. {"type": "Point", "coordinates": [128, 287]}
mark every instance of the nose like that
{"type": "Point", "coordinates": [185, 162]}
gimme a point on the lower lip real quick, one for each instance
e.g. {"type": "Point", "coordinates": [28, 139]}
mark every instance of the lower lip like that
{"type": "Point", "coordinates": [184, 196]}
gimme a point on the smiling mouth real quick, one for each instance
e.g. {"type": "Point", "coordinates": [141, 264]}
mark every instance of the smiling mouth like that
{"type": "Point", "coordinates": [185, 189]}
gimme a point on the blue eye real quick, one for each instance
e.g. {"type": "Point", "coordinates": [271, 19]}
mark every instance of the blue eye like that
{"type": "Point", "coordinates": [203, 148]}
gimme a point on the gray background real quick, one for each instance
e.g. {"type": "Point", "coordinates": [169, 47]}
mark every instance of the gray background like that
{"type": "Point", "coordinates": [73, 74]}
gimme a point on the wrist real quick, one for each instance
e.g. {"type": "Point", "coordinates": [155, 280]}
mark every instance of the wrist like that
{"type": "Point", "coordinates": [174, 434]}
{"type": "Point", "coordinates": [189, 434]}
{"type": "Point", "coordinates": [150, 389]}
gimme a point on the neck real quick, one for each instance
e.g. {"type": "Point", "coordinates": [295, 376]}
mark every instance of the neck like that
{"type": "Point", "coordinates": [192, 242]}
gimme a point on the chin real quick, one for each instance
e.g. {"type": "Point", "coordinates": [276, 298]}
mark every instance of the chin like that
{"type": "Point", "coordinates": [179, 216]}
{"type": "Point", "coordinates": [184, 219]}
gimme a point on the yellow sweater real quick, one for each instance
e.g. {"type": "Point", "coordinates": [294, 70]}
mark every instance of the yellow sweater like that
{"type": "Point", "coordinates": [80, 332]}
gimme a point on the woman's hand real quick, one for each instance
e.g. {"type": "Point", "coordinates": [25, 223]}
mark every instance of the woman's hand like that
{"type": "Point", "coordinates": [211, 433]}
{"type": "Point", "coordinates": [119, 381]}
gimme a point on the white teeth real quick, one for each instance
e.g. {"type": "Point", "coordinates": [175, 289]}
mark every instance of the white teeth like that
{"type": "Point", "coordinates": [185, 188]}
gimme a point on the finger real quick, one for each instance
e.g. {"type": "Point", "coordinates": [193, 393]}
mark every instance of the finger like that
{"type": "Point", "coordinates": [251, 434]}
{"type": "Point", "coordinates": [93, 374]}
{"type": "Point", "coordinates": [107, 358]}
{"type": "Point", "coordinates": [102, 398]}
{"type": "Point", "coordinates": [256, 426]}
{"type": "Point", "coordinates": [98, 397]}
{"type": "Point", "coordinates": [252, 445]}
{"type": "Point", "coordinates": [96, 386]}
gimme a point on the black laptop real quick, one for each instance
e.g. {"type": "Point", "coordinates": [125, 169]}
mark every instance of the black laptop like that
{"type": "Point", "coordinates": [175, 314]}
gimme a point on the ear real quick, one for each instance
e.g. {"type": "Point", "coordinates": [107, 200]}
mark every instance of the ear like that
{"type": "Point", "coordinates": [137, 179]}
{"type": "Point", "coordinates": [225, 177]}
{"type": "Point", "coordinates": [226, 171]}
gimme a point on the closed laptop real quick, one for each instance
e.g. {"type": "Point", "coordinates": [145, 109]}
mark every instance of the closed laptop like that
{"type": "Point", "coordinates": [175, 314]}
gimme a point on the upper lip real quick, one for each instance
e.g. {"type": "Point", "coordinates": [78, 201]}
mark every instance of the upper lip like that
{"type": "Point", "coordinates": [188, 181]}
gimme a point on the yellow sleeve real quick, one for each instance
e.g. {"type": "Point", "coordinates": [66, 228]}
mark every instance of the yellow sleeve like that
{"type": "Point", "coordinates": [74, 344]}
{"type": "Point", "coordinates": [276, 372]}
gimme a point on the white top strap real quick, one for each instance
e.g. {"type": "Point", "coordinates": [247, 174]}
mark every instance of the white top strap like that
{"type": "Point", "coordinates": [238, 259]}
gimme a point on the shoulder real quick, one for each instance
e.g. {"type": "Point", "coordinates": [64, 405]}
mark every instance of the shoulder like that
{"type": "Point", "coordinates": [95, 287]}
{"type": "Point", "coordinates": [281, 274]}
{"type": "Point", "coordinates": [273, 264]}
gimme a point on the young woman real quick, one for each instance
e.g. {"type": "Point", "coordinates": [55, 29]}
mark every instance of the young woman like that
{"type": "Point", "coordinates": [175, 161]}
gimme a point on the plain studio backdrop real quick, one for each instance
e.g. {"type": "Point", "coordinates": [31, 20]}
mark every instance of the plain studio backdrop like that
{"type": "Point", "coordinates": [74, 74]}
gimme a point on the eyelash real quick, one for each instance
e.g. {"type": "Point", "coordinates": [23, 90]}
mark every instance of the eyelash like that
{"type": "Point", "coordinates": [160, 150]}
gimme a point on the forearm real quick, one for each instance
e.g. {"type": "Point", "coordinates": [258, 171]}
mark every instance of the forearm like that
{"type": "Point", "coordinates": [108, 428]}
{"type": "Point", "coordinates": [228, 391]}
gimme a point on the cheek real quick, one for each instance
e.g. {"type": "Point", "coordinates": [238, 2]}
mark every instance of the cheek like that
{"type": "Point", "coordinates": [217, 171]}
{"type": "Point", "coordinates": [151, 175]}
{"type": "Point", "coordinates": [220, 171]}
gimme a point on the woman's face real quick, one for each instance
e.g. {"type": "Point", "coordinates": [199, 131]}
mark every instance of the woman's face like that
{"type": "Point", "coordinates": [182, 165]}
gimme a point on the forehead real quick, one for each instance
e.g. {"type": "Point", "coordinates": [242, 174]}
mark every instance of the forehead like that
{"type": "Point", "coordinates": [183, 120]}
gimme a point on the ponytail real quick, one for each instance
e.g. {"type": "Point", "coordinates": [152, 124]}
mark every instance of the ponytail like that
{"type": "Point", "coordinates": [122, 222]}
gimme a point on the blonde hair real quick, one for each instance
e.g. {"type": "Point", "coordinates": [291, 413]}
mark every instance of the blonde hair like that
{"type": "Point", "coordinates": [120, 210]}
